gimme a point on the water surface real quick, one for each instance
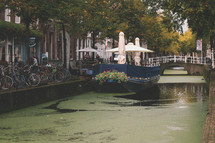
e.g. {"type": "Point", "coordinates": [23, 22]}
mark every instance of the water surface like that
{"type": "Point", "coordinates": [168, 113]}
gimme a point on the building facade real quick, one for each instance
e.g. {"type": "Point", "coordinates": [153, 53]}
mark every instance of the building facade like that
{"type": "Point", "coordinates": [13, 45]}
{"type": "Point", "coordinates": [50, 44]}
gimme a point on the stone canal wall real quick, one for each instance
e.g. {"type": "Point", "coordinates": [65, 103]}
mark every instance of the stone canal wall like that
{"type": "Point", "coordinates": [209, 128]}
{"type": "Point", "coordinates": [192, 69]}
{"type": "Point", "coordinates": [20, 98]}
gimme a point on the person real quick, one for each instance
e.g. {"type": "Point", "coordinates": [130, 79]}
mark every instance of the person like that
{"type": "Point", "coordinates": [111, 59]}
{"type": "Point", "coordinates": [97, 58]}
{"type": "Point", "coordinates": [35, 61]}
{"type": "Point", "coordinates": [34, 64]}
{"type": "Point", "coordinates": [87, 56]}
{"type": "Point", "coordinates": [44, 59]}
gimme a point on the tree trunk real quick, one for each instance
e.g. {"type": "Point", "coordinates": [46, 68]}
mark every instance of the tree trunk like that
{"type": "Point", "coordinates": [94, 39]}
{"type": "Point", "coordinates": [113, 44]}
{"type": "Point", "coordinates": [64, 45]}
{"type": "Point", "coordinates": [212, 41]}
{"type": "Point", "coordinates": [27, 34]}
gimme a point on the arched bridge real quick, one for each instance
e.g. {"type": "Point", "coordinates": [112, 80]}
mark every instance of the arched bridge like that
{"type": "Point", "coordinates": [193, 65]}
{"type": "Point", "coordinates": [192, 69]}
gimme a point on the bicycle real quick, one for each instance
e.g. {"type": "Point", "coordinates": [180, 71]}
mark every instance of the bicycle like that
{"type": "Point", "coordinates": [18, 79]}
{"type": "Point", "coordinates": [6, 82]}
{"type": "Point", "coordinates": [32, 79]}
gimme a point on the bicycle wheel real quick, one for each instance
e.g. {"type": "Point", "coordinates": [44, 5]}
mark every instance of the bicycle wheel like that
{"type": "Point", "coordinates": [67, 75]}
{"type": "Point", "coordinates": [6, 82]}
{"type": "Point", "coordinates": [43, 76]}
{"type": "Point", "coordinates": [33, 80]}
{"type": "Point", "coordinates": [58, 76]}
{"type": "Point", "coordinates": [19, 81]}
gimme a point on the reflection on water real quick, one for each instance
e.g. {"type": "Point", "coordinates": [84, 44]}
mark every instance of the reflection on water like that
{"type": "Point", "coordinates": [175, 70]}
{"type": "Point", "coordinates": [166, 113]}
{"type": "Point", "coordinates": [183, 93]}
{"type": "Point", "coordinates": [169, 94]}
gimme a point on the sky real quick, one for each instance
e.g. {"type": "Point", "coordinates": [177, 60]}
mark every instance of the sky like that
{"type": "Point", "coordinates": [185, 26]}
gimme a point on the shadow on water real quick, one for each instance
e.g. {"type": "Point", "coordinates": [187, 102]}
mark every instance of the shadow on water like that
{"type": "Point", "coordinates": [55, 107]}
{"type": "Point", "coordinates": [159, 95]}
{"type": "Point", "coordinates": [147, 97]}
{"type": "Point", "coordinates": [60, 110]}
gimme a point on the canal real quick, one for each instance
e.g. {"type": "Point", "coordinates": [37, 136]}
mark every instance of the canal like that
{"type": "Point", "coordinates": [174, 111]}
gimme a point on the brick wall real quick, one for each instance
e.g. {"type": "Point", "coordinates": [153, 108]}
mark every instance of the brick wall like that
{"type": "Point", "coordinates": [2, 15]}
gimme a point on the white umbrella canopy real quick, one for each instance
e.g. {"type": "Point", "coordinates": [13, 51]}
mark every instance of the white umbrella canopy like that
{"type": "Point", "coordinates": [88, 49]}
{"type": "Point", "coordinates": [113, 50]}
{"type": "Point", "coordinates": [131, 48]}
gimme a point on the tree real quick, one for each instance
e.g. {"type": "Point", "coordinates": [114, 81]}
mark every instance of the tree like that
{"type": "Point", "coordinates": [129, 15]}
{"type": "Point", "coordinates": [2, 5]}
{"type": "Point", "coordinates": [199, 14]}
{"type": "Point", "coordinates": [158, 36]}
{"type": "Point", "coordinates": [29, 11]}
{"type": "Point", "coordinates": [68, 13]}
{"type": "Point", "coordinates": [137, 18]}
{"type": "Point", "coordinates": [187, 42]}
{"type": "Point", "coordinates": [95, 18]}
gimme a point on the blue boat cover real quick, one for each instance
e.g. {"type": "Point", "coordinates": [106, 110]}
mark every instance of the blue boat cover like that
{"type": "Point", "coordinates": [130, 70]}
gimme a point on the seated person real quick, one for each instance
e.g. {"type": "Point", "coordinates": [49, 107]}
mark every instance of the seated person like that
{"type": "Point", "coordinates": [98, 58]}
{"type": "Point", "coordinates": [87, 56]}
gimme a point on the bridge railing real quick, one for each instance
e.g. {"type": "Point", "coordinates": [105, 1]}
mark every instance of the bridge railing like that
{"type": "Point", "coordinates": [181, 59]}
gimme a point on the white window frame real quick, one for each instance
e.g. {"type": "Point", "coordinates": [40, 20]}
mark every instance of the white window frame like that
{"type": "Point", "coordinates": [7, 16]}
{"type": "Point", "coordinates": [17, 19]}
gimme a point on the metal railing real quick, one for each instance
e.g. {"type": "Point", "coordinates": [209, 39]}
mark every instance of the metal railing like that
{"type": "Point", "coordinates": [181, 59]}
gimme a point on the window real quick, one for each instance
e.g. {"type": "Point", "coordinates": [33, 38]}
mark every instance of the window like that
{"type": "Point", "coordinates": [7, 15]}
{"type": "Point", "coordinates": [17, 19]}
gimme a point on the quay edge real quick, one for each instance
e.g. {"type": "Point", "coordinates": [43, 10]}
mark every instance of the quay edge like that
{"type": "Point", "coordinates": [209, 128]}
{"type": "Point", "coordinates": [20, 98]}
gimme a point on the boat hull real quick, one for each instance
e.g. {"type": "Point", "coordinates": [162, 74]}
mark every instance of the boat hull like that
{"type": "Point", "coordinates": [109, 87]}
{"type": "Point", "coordinates": [135, 85]}
{"type": "Point", "coordinates": [140, 78]}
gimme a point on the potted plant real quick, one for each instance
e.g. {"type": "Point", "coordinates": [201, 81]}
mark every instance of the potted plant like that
{"type": "Point", "coordinates": [111, 76]}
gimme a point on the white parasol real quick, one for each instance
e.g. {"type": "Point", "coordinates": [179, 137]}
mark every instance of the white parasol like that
{"type": "Point", "coordinates": [137, 58]}
{"type": "Point", "coordinates": [88, 49]}
{"type": "Point", "coordinates": [131, 48]}
{"type": "Point", "coordinates": [121, 57]}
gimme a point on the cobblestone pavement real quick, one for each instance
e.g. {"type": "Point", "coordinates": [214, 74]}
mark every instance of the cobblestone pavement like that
{"type": "Point", "coordinates": [209, 129]}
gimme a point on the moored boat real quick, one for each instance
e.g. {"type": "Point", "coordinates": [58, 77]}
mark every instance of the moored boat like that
{"type": "Point", "coordinates": [138, 77]}
{"type": "Point", "coordinates": [132, 77]}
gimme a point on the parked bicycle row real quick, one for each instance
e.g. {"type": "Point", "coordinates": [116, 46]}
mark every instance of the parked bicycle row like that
{"type": "Point", "coordinates": [20, 76]}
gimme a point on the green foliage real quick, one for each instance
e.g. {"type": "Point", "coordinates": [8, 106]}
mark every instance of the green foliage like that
{"type": "Point", "coordinates": [200, 14]}
{"type": "Point", "coordinates": [187, 42]}
{"type": "Point", "coordinates": [136, 18]}
{"type": "Point", "coordinates": [8, 28]}
{"type": "Point", "coordinates": [112, 76]}
{"type": "Point", "coordinates": [30, 11]}
{"type": "Point", "coordinates": [2, 5]}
